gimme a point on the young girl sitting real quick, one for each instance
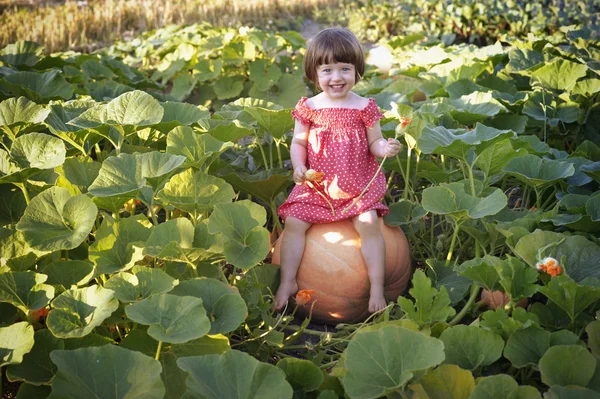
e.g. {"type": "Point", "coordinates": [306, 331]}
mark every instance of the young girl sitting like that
{"type": "Point", "coordinates": [337, 133]}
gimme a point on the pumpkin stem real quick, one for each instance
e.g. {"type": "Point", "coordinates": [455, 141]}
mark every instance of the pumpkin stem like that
{"type": "Point", "coordinates": [309, 183]}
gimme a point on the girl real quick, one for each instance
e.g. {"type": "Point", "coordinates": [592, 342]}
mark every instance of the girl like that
{"type": "Point", "coordinates": [337, 133]}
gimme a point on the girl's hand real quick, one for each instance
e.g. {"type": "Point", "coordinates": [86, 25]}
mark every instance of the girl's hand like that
{"type": "Point", "coordinates": [299, 174]}
{"type": "Point", "coordinates": [392, 147]}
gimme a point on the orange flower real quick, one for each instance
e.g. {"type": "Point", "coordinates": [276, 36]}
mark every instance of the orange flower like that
{"type": "Point", "coordinates": [313, 175]}
{"type": "Point", "coordinates": [303, 296]}
{"type": "Point", "coordinates": [549, 265]}
{"type": "Point", "coordinates": [404, 122]}
{"type": "Point", "coordinates": [43, 312]}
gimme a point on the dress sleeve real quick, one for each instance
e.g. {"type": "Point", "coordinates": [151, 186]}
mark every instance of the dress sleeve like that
{"type": "Point", "coordinates": [303, 112]}
{"type": "Point", "coordinates": [370, 114]}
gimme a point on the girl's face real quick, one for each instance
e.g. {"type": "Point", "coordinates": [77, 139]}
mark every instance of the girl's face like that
{"type": "Point", "coordinates": [336, 80]}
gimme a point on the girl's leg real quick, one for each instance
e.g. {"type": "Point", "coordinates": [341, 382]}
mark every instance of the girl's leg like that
{"type": "Point", "coordinates": [372, 248]}
{"type": "Point", "coordinates": [292, 249]}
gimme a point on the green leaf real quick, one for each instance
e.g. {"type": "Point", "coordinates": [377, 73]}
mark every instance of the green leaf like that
{"type": "Point", "coordinates": [383, 361]}
{"type": "Point", "coordinates": [538, 172]}
{"type": "Point", "coordinates": [55, 220]}
{"type": "Point", "coordinates": [38, 150]}
{"type": "Point", "coordinates": [570, 296]}
{"type": "Point", "coordinates": [558, 392]}
{"type": "Point", "coordinates": [430, 306]}
{"type": "Point", "coordinates": [225, 130]}
{"type": "Point", "coordinates": [491, 161]}
{"type": "Point", "coordinates": [19, 115]}
{"type": "Point", "coordinates": [27, 391]}
{"type": "Point", "coordinates": [303, 375]}
{"type": "Point", "coordinates": [76, 312]}
{"type": "Point", "coordinates": [196, 192]}
{"type": "Point", "coordinates": [22, 53]}
{"type": "Point", "coordinates": [482, 271]}
{"type": "Point", "coordinates": [15, 341]}
{"type": "Point", "coordinates": [233, 374]}
{"type": "Point", "coordinates": [228, 87]}
{"type": "Point", "coordinates": [457, 142]}
{"type": "Point", "coordinates": [593, 332]}
{"type": "Point", "coordinates": [523, 59]}
{"type": "Point", "coordinates": [579, 253]}
{"type": "Point", "coordinates": [136, 108]}
{"type": "Point", "coordinates": [517, 279]}
{"type": "Point", "coordinates": [140, 284]}
{"type": "Point", "coordinates": [443, 276]}
{"type": "Point", "coordinates": [79, 172]}
{"type": "Point", "coordinates": [587, 87]}
{"type": "Point", "coordinates": [475, 107]}
{"type": "Point", "coordinates": [246, 241]}
{"type": "Point", "coordinates": [198, 149]}
{"type": "Point", "coordinates": [224, 306]}
{"type": "Point", "coordinates": [567, 365]}
{"type": "Point", "coordinates": [25, 290]}
{"type": "Point", "coordinates": [265, 184]}
{"type": "Point", "coordinates": [107, 372]}
{"type": "Point", "coordinates": [264, 74]}
{"type": "Point", "coordinates": [117, 243]}
{"type": "Point", "coordinates": [274, 122]}
{"type": "Point", "coordinates": [496, 386]}
{"type": "Point", "coordinates": [470, 347]}
{"type": "Point", "coordinates": [14, 250]}
{"type": "Point", "coordinates": [451, 199]}
{"type": "Point", "coordinates": [67, 273]}
{"type": "Point", "coordinates": [445, 382]}
{"type": "Point", "coordinates": [38, 87]}
{"type": "Point", "coordinates": [36, 368]}
{"type": "Point", "coordinates": [171, 318]}
{"type": "Point", "coordinates": [559, 74]}
{"type": "Point", "coordinates": [525, 347]}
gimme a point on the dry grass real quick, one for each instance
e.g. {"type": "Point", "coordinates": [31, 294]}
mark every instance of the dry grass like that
{"type": "Point", "coordinates": [87, 25]}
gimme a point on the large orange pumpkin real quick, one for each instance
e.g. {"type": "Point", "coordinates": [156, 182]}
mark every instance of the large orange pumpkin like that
{"type": "Point", "coordinates": [332, 266]}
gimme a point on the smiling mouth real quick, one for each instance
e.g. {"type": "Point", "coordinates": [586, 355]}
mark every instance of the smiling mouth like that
{"type": "Point", "coordinates": [336, 86]}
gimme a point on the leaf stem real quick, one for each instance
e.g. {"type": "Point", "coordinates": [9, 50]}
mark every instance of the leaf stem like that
{"type": "Point", "coordinates": [157, 356]}
{"type": "Point", "coordinates": [407, 178]}
{"type": "Point", "coordinates": [454, 235]}
{"type": "Point", "coordinates": [278, 153]}
{"type": "Point", "coordinates": [465, 309]}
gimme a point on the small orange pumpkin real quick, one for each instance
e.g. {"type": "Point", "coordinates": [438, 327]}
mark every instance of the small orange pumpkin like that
{"type": "Point", "coordinates": [332, 266]}
{"type": "Point", "coordinates": [498, 299]}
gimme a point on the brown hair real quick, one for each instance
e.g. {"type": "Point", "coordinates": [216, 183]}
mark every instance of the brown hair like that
{"type": "Point", "coordinates": [330, 46]}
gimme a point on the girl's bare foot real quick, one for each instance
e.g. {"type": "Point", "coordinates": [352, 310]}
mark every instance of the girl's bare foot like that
{"type": "Point", "coordinates": [285, 291]}
{"type": "Point", "coordinates": [376, 303]}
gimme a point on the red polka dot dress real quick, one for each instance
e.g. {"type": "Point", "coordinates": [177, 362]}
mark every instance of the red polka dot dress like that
{"type": "Point", "coordinates": [338, 147]}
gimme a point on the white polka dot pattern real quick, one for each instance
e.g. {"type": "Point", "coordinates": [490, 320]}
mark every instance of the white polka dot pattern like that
{"type": "Point", "coordinates": [338, 147]}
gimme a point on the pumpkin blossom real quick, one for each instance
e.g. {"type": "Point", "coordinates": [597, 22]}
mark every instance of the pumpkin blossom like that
{"type": "Point", "coordinates": [303, 296]}
{"type": "Point", "coordinates": [404, 121]}
{"type": "Point", "coordinates": [313, 175]}
{"type": "Point", "coordinates": [549, 265]}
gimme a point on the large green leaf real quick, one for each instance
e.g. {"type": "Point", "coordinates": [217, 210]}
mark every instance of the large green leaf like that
{"type": "Point", "coordinates": [383, 361]}
{"type": "Point", "coordinates": [140, 284]}
{"type": "Point", "coordinates": [526, 346]}
{"type": "Point", "coordinates": [264, 74]}
{"type": "Point", "coordinates": [66, 273]}
{"type": "Point", "coordinates": [430, 306]}
{"type": "Point", "coordinates": [482, 271]}
{"type": "Point", "coordinates": [22, 53]}
{"type": "Point", "coordinates": [559, 74]}
{"type": "Point", "coordinates": [503, 386]}
{"type": "Point", "coordinates": [567, 365]}
{"type": "Point", "coordinates": [570, 296]}
{"type": "Point", "coordinates": [14, 249]}
{"type": "Point", "coordinates": [560, 392]}
{"type": "Point", "coordinates": [579, 253]}
{"type": "Point", "coordinates": [228, 87]}
{"type": "Point", "coordinates": [226, 130]}
{"type": "Point", "coordinates": [303, 375]}
{"type": "Point", "coordinates": [78, 311]}
{"type": "Point", "coordinates": [196, 192]}
{"type": "Point", "coordinates": [106, 372]}
{"type": "Point", "coordinates": [451, 199]}
{"type": "Point", "coordinates": [274, 122]}
{"type": "Point", "coordinates": [25, 290]}
{"type": "Point", "coordinates": [265, 184]}
{"type": "Point", "coordinates": [38, 150]}
{"type": "Point", "coordinates": [15, 341]}
{"type": "Point", "coordinates": [55, 220]}
{"type": "Point", "coordinates": [135, 108]}
{"type": "Point", "coordinates": [233, 374]}
{"type": "Point", "coordinates": [19, 115]}
{"type": "Point", "coordinates": [475, 107]}
{"type": "Point", "coordinates": [445, 382]}
{"type": "Point", "coordinates": [517, 279]}
{"type": "Point", "coordinates": [246, 241]}
{"type": "Point", "coordinates": [198, 149]}
{"type": "Point", "coordinates": [470, 347]}
{"type": "Point", "coordinates": [224, 306]}
{"type": "Point", "coordinates": [457, 142]}
{"type": "Point", "coordinates": [538, 172]}
{"type": "Point", "coordinates": [492, 159]}
{"type": "Point", "coordinates": [38, 87]}
{"type": "Point", "coordinates": [36, 367]}
{"type": "Point", "coordinates": [174, 319]}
